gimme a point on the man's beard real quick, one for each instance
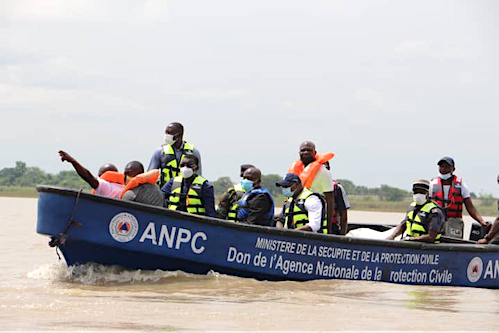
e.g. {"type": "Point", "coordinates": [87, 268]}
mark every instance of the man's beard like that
{"type": "Point", "coordinates": [307, 160]}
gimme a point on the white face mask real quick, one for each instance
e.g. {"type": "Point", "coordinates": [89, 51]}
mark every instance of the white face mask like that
{"type": "Point", "coordinates": [186, 172]}
{"type": "Point", "coordinates": [169, 139]}
{"type": "Point", "coordinates": [445, 176]}
{"type": "Point", "coordinates": [419, 198]}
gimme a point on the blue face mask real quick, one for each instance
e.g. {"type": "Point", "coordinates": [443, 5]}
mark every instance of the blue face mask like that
{"type": "Point", "coordinates": [247, 184]}
{"type": "Point", "coordinates": [286, 191]}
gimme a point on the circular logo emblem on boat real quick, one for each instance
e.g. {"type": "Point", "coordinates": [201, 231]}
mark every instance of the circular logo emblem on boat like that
{"type": "Point", "coordinates": [475, 268]}
{"type": "Point", "coordinates": [123, 227]}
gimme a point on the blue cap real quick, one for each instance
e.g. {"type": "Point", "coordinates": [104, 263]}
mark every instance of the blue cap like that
{"type": "Point", "coordinates": [448, 160]}
{"type": "Point", "coordinates": [288, 180]}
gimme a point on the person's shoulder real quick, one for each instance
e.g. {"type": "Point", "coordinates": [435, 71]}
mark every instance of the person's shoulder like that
{"type": "Point", "coordinates": [434, 180]}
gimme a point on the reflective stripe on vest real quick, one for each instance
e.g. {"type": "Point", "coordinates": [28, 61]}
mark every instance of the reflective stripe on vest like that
{"type": "Point", "coordinates": [232, 214]}
{"type": "Point", "coordinates": [416, 227]}
{"type": "Point", "coordinates": [299, 216]}
{"type": "Point", "coordinates": [192, 200]}
{"type": "Point", "coordinates": [170, 168]}
{"type": "Point", "coordinates": [453, 206]}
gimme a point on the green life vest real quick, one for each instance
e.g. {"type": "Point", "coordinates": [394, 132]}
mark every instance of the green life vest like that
{"type": "Point", "coordinates": [232, 214]}
{"type": "Point", "coordinates": [170, 167]}
{"type": "Point", "coordinates": [297, 216]}
{"type": "Point", "coordinates": [418, 225]}
{"type": "Point", "coordinates": [190, 202]}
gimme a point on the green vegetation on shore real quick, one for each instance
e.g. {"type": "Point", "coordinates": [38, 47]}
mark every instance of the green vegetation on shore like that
{"type": "Point", "coordinates": [21, 180]}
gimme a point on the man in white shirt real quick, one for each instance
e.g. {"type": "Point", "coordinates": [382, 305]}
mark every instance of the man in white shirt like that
{"type": "Point", "coordinates": [314, 175]}
{"type": "Point", "coordinates": [304, 209]}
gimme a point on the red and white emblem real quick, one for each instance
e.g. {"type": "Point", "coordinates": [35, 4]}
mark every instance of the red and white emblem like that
{"type": "Point", "coordinates": [123, 227]}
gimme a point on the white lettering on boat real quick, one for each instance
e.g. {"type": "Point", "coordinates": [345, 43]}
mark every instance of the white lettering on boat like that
{"type": "Point", "coordinates": [174, 238]}
{"type": "Point", "coordinates": [492, 270]}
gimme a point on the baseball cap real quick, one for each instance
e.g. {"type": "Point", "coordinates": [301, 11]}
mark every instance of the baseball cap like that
{"type": "Point", "coordinates": [288, 180]}
{"type": "Point", "coordinates": [447, 159]}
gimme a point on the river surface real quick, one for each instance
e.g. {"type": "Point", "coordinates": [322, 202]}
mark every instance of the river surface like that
{"type": "Point", "coordinates": [39, 293]}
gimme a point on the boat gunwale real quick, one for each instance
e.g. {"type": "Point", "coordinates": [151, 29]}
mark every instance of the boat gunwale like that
{"type": "Point", "coordinates": [271, 230]}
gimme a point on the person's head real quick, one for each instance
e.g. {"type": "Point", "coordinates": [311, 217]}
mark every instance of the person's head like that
{"type": "Point", "coordinates": [252, 178]}
{"type": "Point", "coordinates": [107, 167]}
{"type": "Point", "coordinates": [446, 167]}
{"type": "Point", "coordinates": [133, 169]}
{"type": "Point", "coordinates": [307, 152]}
{"type": "Point", "coordinates": [291, 185]}
{"type": "Point", "coordinates": [420, 191]}
{"type": "Point", "coordinates": [189, 165]}
{"type": "Point", "coordinates": [174, 132]}
{"type": "Point", "coordinates": [245, 167]}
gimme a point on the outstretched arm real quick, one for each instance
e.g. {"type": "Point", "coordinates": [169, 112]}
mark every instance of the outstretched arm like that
{"type": "Point", "coordinates": [82, 171]}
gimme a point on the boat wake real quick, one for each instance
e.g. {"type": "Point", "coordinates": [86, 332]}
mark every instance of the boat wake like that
{"type": "Point", "coordinates": [96, 274]}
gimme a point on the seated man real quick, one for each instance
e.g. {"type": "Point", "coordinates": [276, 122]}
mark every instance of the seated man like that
{"type": "Point", "coordinates": [106, 186]}
{"type": "Point", "coordinates": [304, 209]}
{"type": "Point", "coordinates": [424, 219]}
{"type": "Point", "coordinates": [190, 192]}
{"type": "Point", "coordinates": [257, 205]}
{"type": "Point", "coordinates": [491, 236]}
{"type": "Point", "coordinates": [141, 187]}
{"type": "Point", "coordinates": [228, 207]}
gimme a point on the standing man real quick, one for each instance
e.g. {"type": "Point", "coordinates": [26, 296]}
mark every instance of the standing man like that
{"type": "Point", "coordinates": [303, 210]}
{"type": "Point", "coordinates": [257, 205]}
{"type": "Point", "coordinates": [491, 236]}
{"type": "Point", "coordinates": [341, 205]}
{"type": "Point", "coordinates": [167, 158]}
{"type": "Point", "coordinates": [450, 192]}
{"type": "Point", "coordinates": [424, 219]}
{"type": "Point", "coordinates": [227, 208]}
{"type": "Point", "coordinates": [190, 192]}
{"type": "Point", "coordinates": [314, 175]}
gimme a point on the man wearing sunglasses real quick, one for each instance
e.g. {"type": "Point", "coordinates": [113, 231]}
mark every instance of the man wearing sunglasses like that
{"type": "Point", "coordinates": [190, 192]}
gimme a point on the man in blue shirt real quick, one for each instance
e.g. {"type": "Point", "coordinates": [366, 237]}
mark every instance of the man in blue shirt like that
{"type": "Point", "coordinates": [190, 192]}
{"type": "Point", "coordinates": [167, 157]}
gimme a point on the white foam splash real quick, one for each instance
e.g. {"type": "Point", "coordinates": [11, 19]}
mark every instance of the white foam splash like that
{"type": "Point", "coordinates": [96, 274]}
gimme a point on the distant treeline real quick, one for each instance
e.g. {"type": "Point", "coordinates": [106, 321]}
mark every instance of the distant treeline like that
{"type": "Point", "coordinates": [24, 176]}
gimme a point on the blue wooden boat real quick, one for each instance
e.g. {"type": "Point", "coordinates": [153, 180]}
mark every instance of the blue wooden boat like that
{"type": "Point", "coordinates": [89, 228]}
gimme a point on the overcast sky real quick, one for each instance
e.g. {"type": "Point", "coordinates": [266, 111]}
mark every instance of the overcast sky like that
{"type": "Point", "coordinates": [388, 86]}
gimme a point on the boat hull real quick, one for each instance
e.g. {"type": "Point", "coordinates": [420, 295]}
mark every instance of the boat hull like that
{"type": "Point", "coordinates": [115, 232]}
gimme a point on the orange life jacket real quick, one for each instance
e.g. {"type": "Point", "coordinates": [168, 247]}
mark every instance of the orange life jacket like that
{"type": "Point", "coordinates": [150, 177]}
{"type": "Point", "coordinates": [307, 174]}
{"type": "Point", "coordinates": [112, 177]}
{"type": "Point", "coordinates": [453, 206]}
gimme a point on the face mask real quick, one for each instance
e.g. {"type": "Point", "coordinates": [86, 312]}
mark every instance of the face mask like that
{"type": "Point", "coordinates": [445, 176]}
{"type": "Point", "coordinates": [419, 198]}
{"type": "Point", "coordinates": [247, 184]}
{"type": "Point", "coordinates": [286, 191]}
{"type": "Point", "coordinates": [186, 172]}
{"type": "Point", "coordinates": [169, 139]}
